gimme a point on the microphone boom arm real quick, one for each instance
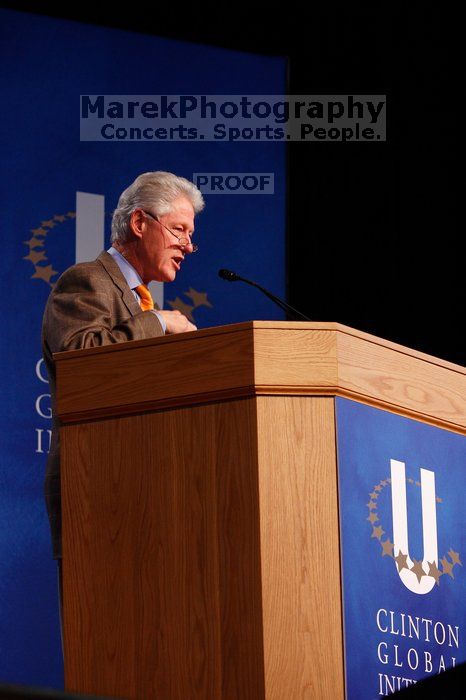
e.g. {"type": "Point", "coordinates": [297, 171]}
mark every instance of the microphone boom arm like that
{"type": "Point", "coordinates": [289, 310]}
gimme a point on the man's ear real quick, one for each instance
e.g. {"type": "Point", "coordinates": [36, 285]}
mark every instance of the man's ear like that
{"type": "Point", "coordinates": [137, 223]}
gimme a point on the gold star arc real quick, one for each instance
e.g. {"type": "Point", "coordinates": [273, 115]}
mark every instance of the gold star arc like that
{"type": "Point", "coordinates": [434, 572]}
{"type": "Point", "coordinates": [447, 567]}
{"type": "Point", "coordinates": [377, 532]}
{"type": "Point", "coordinates": [34, 242]}
{"type": "Point", "coordinates": [38, 240]}
{"type": "Point", "coordinates": [35, 256]}
{"type": "Point", "coordinates": [455, 557]}
{"type": "Point", "coordinates": [179, 305]}
{"type": "Point", "coordinates": [418, 570]}
{"type": "Point", "coordinates": [387, 548]}
{"type": "Point", "coordinates": [198, 298]}
{"type": "Point", "coordinates": [401, 561]}
{"type": "Point", "coordinates": [44, 273]}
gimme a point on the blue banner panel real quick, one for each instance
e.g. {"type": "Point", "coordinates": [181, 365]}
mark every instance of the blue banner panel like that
{"type": "Point", "coordinates": [403, 525]}
{"type": "Point", "coordinates": [58, 194]}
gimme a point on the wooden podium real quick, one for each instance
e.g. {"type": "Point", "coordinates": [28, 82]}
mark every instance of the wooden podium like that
{"type": "Point", "coordinates": [200, 506]}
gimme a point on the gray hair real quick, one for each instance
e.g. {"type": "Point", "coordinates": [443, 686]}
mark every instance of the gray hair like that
{"type": "Point", "coordinates": [156, 191]}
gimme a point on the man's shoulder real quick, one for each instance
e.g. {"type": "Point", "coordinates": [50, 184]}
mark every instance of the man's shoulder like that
{"type": "Point", "coordinates": [86, 273]}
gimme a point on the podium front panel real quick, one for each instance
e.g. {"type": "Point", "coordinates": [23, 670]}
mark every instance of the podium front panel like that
{"type": "Point", "coordinates": [402, 488]}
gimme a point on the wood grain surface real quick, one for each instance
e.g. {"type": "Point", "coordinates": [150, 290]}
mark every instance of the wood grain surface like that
{"type": "Point", "coordinates": [343, 362]}
{"type": "Point", "coordinates": [260, 358]}
{"type": "Point", "coordinates": [201, 553]}
{"type": "Point", "coordinates": [302, 612]}
{"type": "Point", "coordinates": [162, 555]}
{"type": "Point", "coordinates": [200, 513]}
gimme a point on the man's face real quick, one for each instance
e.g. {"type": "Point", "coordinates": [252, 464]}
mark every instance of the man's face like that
{"type": "Point", "coordinates": [160, 254]}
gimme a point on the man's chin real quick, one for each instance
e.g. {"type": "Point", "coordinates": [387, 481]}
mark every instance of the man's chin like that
{"type": "Point", "coordinates": [167, 276]}
{"type": "Point", "coordinates": [164, 275]}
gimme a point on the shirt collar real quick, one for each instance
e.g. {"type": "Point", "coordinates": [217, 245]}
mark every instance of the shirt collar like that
{"type": "Point", "coordinates": [131, 276]}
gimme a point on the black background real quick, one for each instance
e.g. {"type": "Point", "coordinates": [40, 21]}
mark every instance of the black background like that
{"type": "Point", "coordinates": [373, 235]}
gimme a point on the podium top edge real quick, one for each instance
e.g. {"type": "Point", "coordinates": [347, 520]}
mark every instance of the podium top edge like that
{"type": "Point", "coordinates": [262, 325]}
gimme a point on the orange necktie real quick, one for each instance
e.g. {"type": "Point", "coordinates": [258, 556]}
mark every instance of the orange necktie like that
{"type": "Point", "coordinates": [145, 299]}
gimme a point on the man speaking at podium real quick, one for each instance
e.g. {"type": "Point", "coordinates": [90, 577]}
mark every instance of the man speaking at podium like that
{"type": "Point", "coordinates": [107, 301]}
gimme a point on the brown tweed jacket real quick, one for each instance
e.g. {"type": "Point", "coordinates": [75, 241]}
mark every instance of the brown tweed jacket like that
{"type": "Point", "coordinates": [90, 305]}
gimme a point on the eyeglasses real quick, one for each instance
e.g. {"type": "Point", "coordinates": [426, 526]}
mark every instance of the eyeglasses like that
{"type": "Point", "coordinates": [182, 240]}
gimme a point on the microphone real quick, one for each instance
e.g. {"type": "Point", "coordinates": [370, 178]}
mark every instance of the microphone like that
{"type": "Point", "coordinates": [296, 315]}
{"type": "Point", "coordinates": [229, 275]}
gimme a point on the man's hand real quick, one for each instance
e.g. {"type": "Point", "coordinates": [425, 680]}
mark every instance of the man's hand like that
{"type": "Point", "coordinates": [176, 322]}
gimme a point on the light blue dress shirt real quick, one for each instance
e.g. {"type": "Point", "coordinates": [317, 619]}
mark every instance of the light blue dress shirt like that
{"type": "Point", "coordinates": [133, 279]}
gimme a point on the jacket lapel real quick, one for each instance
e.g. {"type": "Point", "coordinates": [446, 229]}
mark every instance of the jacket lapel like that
{"type": "Point", "coordinates": [117, 276]}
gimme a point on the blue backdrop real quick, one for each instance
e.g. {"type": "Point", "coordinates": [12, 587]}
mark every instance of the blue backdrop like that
{"type": "Point", "coordinates": [46, 65]}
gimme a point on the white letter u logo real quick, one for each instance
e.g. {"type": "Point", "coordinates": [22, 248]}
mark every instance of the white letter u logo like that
{"type": "Point", "coordinates": [414, 576]}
